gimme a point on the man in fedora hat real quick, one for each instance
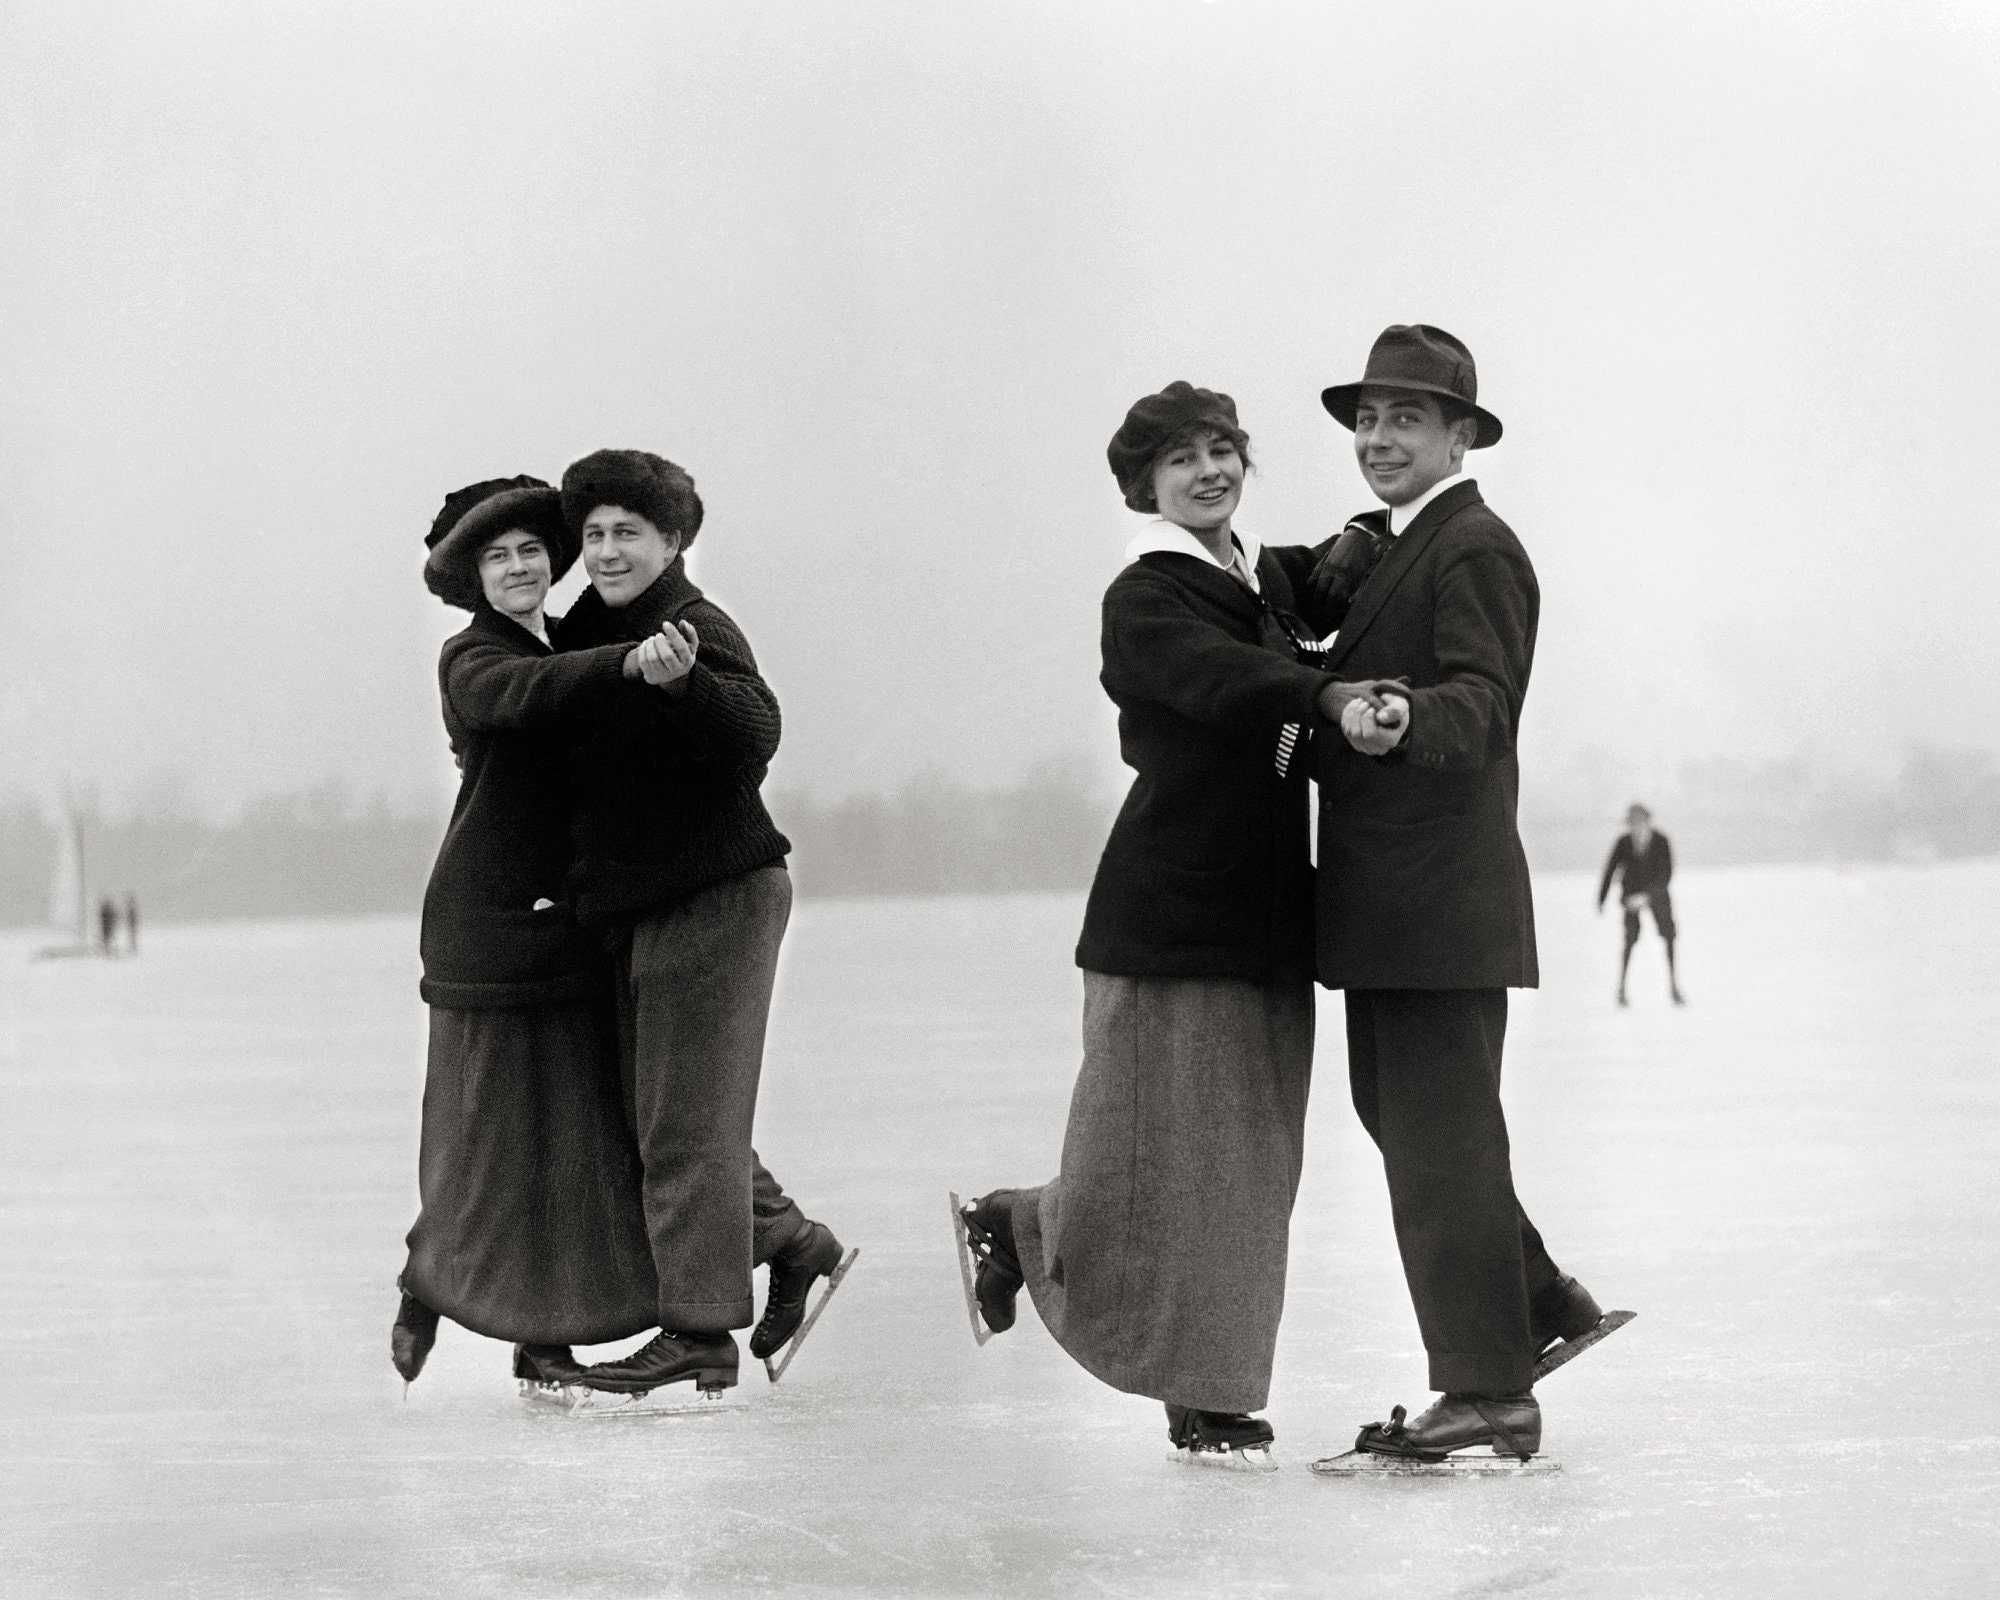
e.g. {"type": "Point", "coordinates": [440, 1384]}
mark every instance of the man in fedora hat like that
{"type": "Point", "coordinates": [1424, 912]}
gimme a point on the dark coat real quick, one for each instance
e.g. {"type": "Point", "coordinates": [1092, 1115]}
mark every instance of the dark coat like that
{"type": "Point", "coordinates": [506, 699]}
{"type": "Point", "coordinates": [665, 786]}
{"type": "Point", "coordinates": [1207, 871]}
{"type": "Point", "coordinates": [1422, 880]}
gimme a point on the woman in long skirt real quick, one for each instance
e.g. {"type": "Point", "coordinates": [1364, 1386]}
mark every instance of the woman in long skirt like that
{"type": "Point", "coordinates": [532, 1228]}
{"type": "Point", "coordinates": [1157, 1257]}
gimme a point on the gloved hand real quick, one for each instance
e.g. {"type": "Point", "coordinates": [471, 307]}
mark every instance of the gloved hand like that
{"type": "Point", "coordinates": [1339, 574]}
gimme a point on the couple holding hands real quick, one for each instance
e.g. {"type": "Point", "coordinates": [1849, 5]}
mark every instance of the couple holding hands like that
{"type": "Point", "coordinates": [1157, 1256]}
{"type": "Point", "coordinates": [600, 937]}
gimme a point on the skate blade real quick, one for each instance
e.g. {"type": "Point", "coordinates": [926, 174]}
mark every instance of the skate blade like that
{"type": "Point", "coordinates": [577, 1401]}
{"type": "Point", "coordinates": [1254, 1458]}
{"type": "Point", "coordinates": [791, 1348]}
{"type": "Point", "coordinates": [1570, 1349]}
{"type": "Point", "coordinates": [1466, 1464]}
{"type": "Point", "coordinates": [980, 1332]}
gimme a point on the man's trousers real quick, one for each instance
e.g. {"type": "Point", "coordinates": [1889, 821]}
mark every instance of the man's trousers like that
{"type": "Point", "coordinates": [693, 993]}
{"type": "Point", "coordinates": [1424, 1067]}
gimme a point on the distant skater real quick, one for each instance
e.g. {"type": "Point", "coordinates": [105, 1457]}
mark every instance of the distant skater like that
{"type": "Point", "coordinates": [531, 1228]}
{"type": "Point", "coordinates": [107, 926]}
{"type": "Point", "coordinates": [131, 924]}
{"type": "Point", "coordinates": [1643, 862]}
{"type": "Point", "coordinates": [1156, 1258]}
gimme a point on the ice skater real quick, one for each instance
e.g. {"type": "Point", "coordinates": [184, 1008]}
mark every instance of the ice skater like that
{"type": "Point", "coordinates": [1424, 912]}
{"type": "Point", "coordinates": [531, 1228]}
{"type": "Point", "coordinates": [107, 926]}
{"type": "Point", "coordinates": [1643, 862]}
{"type": "Point", "coordinates": [679, 867]}
{"type": "Point", "coordinates": [1156, 1257]}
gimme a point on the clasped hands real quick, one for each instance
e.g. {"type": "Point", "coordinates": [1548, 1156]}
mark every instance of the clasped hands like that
{"type": "Point", "coordinates": [666, 658]}
{"type": "Point", "coordinates": [1374, 713]}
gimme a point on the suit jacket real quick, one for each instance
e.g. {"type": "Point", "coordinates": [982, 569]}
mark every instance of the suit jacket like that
{"type": "Point", "coordinates": [1207, 871]}
{"type": "Point", "coordinates": [1422, 881]}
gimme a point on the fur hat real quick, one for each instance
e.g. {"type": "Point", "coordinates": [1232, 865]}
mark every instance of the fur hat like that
{"type": "Point", "coordinates": [473, 517]}
{"type": "Point", "coordinates": [1161, 420]}
{"type": "Point", "coordinates": [639, 481]}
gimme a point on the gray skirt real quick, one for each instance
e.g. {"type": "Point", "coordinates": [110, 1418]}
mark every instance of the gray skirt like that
{"type": "Point", "coordinates": [1157, 1258]}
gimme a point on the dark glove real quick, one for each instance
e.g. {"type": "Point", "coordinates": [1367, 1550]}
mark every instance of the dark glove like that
{"type": "Point", "coordinates": [1338, 575]}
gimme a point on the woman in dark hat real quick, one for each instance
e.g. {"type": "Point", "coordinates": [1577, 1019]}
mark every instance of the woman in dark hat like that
{"type": "Point", "coordinates": [1157, 1256]}
{"type": "Point", "coordinates": [531, 1228]}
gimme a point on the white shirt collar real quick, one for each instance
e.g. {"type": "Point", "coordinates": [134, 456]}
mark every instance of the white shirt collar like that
{"type": "Point", "coordinates": [1165, 538]}
{"type": "Point", "coordinates": [1400, 517]}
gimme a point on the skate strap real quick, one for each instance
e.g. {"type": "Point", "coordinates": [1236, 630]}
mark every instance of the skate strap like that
{"type": "Point", "coordinates": [988, 1249]}
{"type": "Point", "coordinates": [1392, 1438]}
{"type": "Point", "coordinates": [1504, 1433]}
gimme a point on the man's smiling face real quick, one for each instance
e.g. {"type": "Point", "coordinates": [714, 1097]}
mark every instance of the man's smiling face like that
{"type": "Point", "coordinates": [1404, 443]}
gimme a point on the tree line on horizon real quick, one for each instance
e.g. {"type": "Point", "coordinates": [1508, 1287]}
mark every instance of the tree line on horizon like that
{"type": "Point", "coordinates": [323, 852]}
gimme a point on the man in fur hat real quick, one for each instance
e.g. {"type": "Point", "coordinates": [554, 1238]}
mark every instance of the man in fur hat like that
{"type": "Point", "coordinates": [679, 866]}
{"type": "Point", "coordinates": [1424, 912]}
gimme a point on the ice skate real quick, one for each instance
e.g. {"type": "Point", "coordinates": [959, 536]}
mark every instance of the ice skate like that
{"type": "Point", "coordinates": [985, 1233]}
{"type": "Point", "coordinates": [791, 1345]}
{"type": "Point", "coordinates": [547, 1373]}
{"type": "Point", "coordinates": [1447, 1440]}
{"type": "Point", "coordinates": [1569, 1349]}
{"type": "Point", "coordinates": [411, 1336]}
{"type": "Point", "coordinates": [815, 1254]}
{"type": "Point", "coordinates": [647, 1382]}
{"type": "Point", "coordinates": [1228, 1439]}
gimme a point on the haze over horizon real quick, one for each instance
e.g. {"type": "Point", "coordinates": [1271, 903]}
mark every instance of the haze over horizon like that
{"type": "Point", "coordinates": [884, 277]}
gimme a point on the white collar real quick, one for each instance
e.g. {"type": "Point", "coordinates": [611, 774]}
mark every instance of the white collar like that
{"type": "Point", "coordinates": [1400, 517]}
{"type": "Point", "coordinates": [1166, 538]}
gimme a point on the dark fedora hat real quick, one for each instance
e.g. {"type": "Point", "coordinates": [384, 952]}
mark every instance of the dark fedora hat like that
{"type": "Point", "coordinates": [1429, 360]}
{"type": "Point", "coordinates": [473, 517]}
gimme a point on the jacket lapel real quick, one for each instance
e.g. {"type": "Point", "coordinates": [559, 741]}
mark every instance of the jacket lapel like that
{"type": "Point", "coordinates": [1389, 571]}
{"type": "Point", "coordinates": [1210, 581]}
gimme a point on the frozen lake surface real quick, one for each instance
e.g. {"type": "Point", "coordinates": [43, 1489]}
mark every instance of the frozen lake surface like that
{"type": "Point", "coordinates": [207, 1164]}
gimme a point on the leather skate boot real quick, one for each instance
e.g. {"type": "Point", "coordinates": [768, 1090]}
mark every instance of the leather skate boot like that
{"type": "Point", "coordinates": [813, 1255]}
{"type": "Point", "coordinates": [546, 1363]}
{"type": "Point", "coordinates": [1562, 1310]}
{"type": "Point", "coordinates": [1510, 1423]}
{"type": "Point", "coordinates": [411, 1336]}
{"type": "Point", "coordinates": [1216, 1431]}
{"type": "Point", "coordinates": [708, 1358]}
{"type": "Point", "coordinates": [989, 1229]}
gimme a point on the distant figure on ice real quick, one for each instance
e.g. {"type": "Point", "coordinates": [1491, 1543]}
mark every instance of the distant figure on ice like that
{"type": "Point", "coordinates": [679, 869]}
{"type": "Point", "coordinates": [107, 926]}
{"type": "Point", "coordinates": [131, 924]}
{"type": "Point", "coordinates": [1157, 1255]}
{"type": "Point", "coordinates": [531, 1228]}
{"type": "Point", "coordinates": [1643, 861]}
{"type": "Point", "coordinates": [1425, 916]}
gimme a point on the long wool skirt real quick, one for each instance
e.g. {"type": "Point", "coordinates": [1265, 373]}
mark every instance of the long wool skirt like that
{"type": "Point", "coordinates": [532, 1228]}
{"type": "Point", "coordinates": [1157, 1258]}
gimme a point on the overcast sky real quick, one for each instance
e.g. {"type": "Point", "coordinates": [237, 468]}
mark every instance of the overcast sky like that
{"type": "Point", "coordinates": [884, 277]}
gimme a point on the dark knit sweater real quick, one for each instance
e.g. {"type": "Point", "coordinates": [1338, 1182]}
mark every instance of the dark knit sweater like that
{"type": "Point", "coordinates": [665, 785]}
{"type": "Point", "coordinates": [506, 701]}
{"type": "Point", "coordinates": [1206, 872]}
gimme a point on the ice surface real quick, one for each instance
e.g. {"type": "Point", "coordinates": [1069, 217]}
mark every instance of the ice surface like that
{"type": "Point", "coordinates": [207, 1163]}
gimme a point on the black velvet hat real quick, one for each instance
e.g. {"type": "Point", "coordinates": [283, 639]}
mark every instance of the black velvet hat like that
{"type": "Point", "coordinates": [473, 517]}
{"type": "Point", "coordinates": [1156, 422]}
{"type": "Point", "coordinates": [1417, 356]}
{"type": "Point", "coordinates": [638, 480]}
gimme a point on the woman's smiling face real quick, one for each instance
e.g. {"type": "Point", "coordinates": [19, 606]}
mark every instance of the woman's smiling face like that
{"type": "Point", "coordinates": [514, 574]}
{"type": "Point", "coordinates": [1197, 484]}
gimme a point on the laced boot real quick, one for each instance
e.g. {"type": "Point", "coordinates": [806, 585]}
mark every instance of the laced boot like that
{"type": "Point", "coordinates": [1511, 1424]}
{"type": "Point", "coordinates": [813, 1255]}
{"type": "Point", "coordinates": [708, 1358]}
{"type": "Point", "coordinates": [989, 1230]}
